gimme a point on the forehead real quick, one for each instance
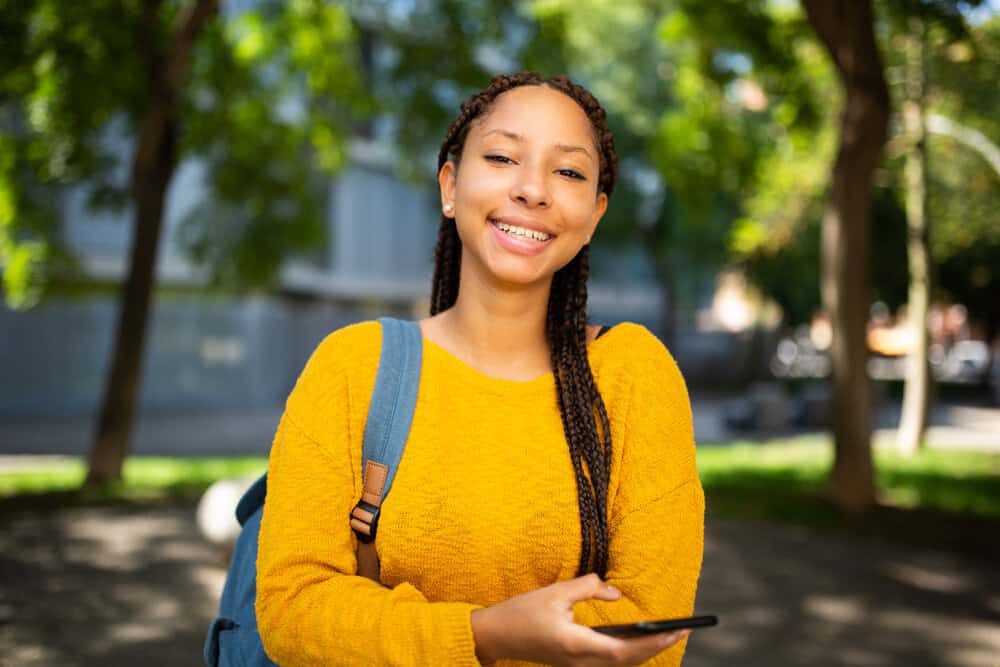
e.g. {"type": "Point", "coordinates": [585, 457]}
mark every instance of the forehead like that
{"type": "Point", "coordinates": [538, 110]}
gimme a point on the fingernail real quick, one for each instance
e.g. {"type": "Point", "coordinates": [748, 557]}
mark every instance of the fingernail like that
{"type": "Point", "coordinates": [613, 590]}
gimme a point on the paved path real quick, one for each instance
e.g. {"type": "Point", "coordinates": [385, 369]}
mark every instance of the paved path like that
{"type": "Point", "coordinates": [951, 426]}
{"type": "Point", "coordinates": [136, 586]}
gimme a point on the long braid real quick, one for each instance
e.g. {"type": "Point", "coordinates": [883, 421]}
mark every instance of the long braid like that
{"type": "Point", "coordinates": [447, 263]}
{"type": "Point", "coordinates": [581, 408]}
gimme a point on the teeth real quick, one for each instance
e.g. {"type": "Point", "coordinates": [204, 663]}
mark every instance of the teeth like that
{"type": "Point", "coordinates": [521, 231]}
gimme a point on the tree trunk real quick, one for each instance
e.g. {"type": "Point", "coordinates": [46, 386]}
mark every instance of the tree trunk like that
{"type": "Point", "coordinates": [846, 29]}
{"type": "Point", "coordinates": [917, 387]}
{"type": "Point", "coordinates": [151, 178]}
{"type": "Point", "coordinates": [153, 167]}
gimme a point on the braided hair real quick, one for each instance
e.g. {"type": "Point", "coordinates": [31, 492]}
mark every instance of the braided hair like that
{"type": "Point", "coordinates": [584, 417]}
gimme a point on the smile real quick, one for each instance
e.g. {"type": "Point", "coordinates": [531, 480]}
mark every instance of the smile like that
{"type": "Point", "coordinates": [520, 232]}
{"type": "Point", "coordinates": [519, 240]}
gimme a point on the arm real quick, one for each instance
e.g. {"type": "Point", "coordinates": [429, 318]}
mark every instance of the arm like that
{"type": "Point", "coordinates": [656, 518]}
{"type": "Point", "coordinates": [656, 522]}
{"type": "Point", "coordinates": [311, 607]}
{"type": "Point", "coordinates": [658, 578]}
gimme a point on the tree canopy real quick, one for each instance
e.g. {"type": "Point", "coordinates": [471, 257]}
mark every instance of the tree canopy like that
{"type": "Point", "coordinates": [272, 97]}
{"type": "Point", "coordinates": [778, 237]}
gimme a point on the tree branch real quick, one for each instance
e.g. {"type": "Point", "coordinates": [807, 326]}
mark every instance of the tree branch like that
{"type": "Point", "coordinates": [974, 139]}
{"type": "Point", "coordinates": [826, 20]}
{"type": "Point", "coordinates": [188, 27]}
{"type": "Point", "coordinates": [853, 51]}
{"type": "Point", "coordinates": [148, 39]}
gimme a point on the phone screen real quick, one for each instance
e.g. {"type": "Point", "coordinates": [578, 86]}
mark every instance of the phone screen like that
{"type": "Point", "coordinates": [654, 627]}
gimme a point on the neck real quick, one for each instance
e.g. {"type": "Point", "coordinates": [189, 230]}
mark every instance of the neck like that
{"type": "Point", "coordinates": [500, 328]}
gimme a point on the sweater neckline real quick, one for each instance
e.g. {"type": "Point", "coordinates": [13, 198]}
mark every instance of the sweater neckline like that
{"type": "Point", "coordinates": [459, 369]}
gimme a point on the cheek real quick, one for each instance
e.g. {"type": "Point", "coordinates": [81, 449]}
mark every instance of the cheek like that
{"type": "Point", "coordinates": [579, 213]}
{"type": "Point", "coordinates": [477, 185]}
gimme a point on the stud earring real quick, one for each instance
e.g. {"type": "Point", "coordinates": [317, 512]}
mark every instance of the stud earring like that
{"type": "Point", "coordinates": [449, 208]}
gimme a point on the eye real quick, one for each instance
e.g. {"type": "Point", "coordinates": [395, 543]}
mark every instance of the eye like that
{"type": "Point", "coordinates": [502, 159]}
{"type": "Point", "coordinates": [572, 173]}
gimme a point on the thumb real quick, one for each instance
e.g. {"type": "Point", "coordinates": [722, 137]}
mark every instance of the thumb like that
{"type": "Point", "coordinates": [589, 587]}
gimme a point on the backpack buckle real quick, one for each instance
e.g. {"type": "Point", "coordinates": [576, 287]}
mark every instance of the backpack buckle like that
{"type": "Point", "coordinates": [364, 521]}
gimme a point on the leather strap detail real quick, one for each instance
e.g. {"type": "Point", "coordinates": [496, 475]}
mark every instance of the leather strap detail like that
{"type": "Point", "coordinates": [361, 526]}
{"type": "Point", "coordinates": [362, 514]}
{"type": "Point", "coordinates": [390, 415]}
{"type": "Point", "coordinates": [375, 474]}
{"type": "Point", "coordinates": [368, 565]}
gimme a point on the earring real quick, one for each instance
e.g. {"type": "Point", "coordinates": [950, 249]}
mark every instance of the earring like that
{"type": "Point", "coordinates": [449, 208]}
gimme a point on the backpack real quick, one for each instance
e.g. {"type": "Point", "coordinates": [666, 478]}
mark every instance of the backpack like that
{"type": "Point", "coordinates": [233, 639]}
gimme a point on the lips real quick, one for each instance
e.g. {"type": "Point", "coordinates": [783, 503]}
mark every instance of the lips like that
{"type": "Point", "coordinates": [517, 244]}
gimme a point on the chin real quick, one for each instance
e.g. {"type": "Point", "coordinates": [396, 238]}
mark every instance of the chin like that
{"type": "Point", "coordinates": [522, 272]}
{"type": "Point", "coordinates": [519, 277]}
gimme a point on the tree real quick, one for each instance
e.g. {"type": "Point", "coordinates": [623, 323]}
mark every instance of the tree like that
{"type": "Point", "coordinates": [847, 31]}
{"type": "Point", "coordinates": [965, 191]}
{"type": "Point", "coordinates": [918, 26]}
{"type": "Point", "coordinates": [153, 166]}
{"type": "Point", "coordinates": [778, 239]}
{"type": "Point", "coordinates": [917, 385]}
{"type": "Point", "coordinates": [279, 81]}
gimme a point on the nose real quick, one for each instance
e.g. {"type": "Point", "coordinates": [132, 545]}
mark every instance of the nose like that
{"type": "Point", "coordinates": [530, 188]}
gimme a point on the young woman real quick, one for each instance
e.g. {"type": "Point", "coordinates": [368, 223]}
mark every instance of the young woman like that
{"type": "Point", "coordinates": [548, 482]}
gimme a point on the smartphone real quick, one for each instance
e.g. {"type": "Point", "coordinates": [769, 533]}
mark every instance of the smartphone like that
{"type": "Point", "coordinates": [653, 627]}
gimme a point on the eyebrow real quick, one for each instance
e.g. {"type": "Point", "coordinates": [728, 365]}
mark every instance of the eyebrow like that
{"type": "Point", "coordinates": [520, 137]}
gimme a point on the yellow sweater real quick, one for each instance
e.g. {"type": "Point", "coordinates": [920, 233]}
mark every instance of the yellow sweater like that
{"type": "Point", "coordinates": [483, 507]}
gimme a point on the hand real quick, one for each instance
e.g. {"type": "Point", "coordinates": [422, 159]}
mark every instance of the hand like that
{"type": "Point", "coordinates": [538, 627]}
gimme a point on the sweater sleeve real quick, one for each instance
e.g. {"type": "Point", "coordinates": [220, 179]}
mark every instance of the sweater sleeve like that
{"type": "Point", "coordinates": [312, 609]}
{"type": "Point", "coordinates": [656, 518]}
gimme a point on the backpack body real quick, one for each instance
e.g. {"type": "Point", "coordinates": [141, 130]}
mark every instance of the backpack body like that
{"type": "Point", "coordinates": [233, 639]}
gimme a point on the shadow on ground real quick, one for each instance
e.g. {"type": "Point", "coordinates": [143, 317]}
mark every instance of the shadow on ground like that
{"type": "Point", "coordinates": [969, 528]}
{"type": "Point", "coordinates": [789, 595]}
{"type": "Point", "coordinates": [133, 584]}
{"type": "Point", "coordinates": [109, 585]}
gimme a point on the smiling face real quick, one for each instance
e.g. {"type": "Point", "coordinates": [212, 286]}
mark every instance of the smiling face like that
{"type": "Point", "coordinates": [525, 196]}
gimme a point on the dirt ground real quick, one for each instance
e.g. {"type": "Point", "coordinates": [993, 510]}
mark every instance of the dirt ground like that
{"type": "Point", "coordinates": [136, 585]}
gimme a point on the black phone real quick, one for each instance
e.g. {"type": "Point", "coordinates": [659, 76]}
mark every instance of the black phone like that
{"type": "Point", "coordinates": [653, 627]}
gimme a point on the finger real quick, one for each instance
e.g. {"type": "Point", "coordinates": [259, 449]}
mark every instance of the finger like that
{"type": "Point", "coordinates": [587, 643]}
{"type": "Point", "coordinates": [589, 587]}
{"type": "Point", "coordinates": [632, 650]}
{"type": "Point", "coordinates": [659, 641]}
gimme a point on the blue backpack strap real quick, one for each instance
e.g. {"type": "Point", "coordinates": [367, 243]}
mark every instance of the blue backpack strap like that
{"type": "Point", "coordinates": [252, 500]}
{"type": "Point", "coordinates": [233, 638]}
{"type": "Point", "coordinates": [390, 415]}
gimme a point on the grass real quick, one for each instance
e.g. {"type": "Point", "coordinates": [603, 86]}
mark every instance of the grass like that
{"type": "Point", "coordinates": [144, 478]}
{"type": "Point", "coordinates": [785, 480]}
{"type": "Point", "coordinates": [775, 480]}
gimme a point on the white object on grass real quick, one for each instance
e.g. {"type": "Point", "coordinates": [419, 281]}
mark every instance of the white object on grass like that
{"type": "Point", "coordinates": [216, 514]}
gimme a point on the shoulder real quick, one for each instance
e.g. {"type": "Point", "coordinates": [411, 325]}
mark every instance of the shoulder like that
{"type": "Point", "coordinates": [341, 360]}
{"type": "Point", "coordinates": [346, 348]}
{"type": "Point", "coordinates": [632, 350]}
{"type": "Point", "coordinates": [654, 413]}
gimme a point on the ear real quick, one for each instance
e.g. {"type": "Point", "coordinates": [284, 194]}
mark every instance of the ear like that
{"type": "Point", "coordinates": [446, 184]}
{"type": "Point", "coordinates": [599, 209]}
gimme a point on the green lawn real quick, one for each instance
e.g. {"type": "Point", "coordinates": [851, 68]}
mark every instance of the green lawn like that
{"type": "Point", "coordinates": [785, 479]}
{"type": "Point", "coordinates": [779, 479]}
{"type": "Point", "coordinates": [145, 478]}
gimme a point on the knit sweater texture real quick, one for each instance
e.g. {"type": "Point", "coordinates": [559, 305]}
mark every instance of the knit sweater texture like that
{"type": "Point", "coordinates": [483, 506]}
